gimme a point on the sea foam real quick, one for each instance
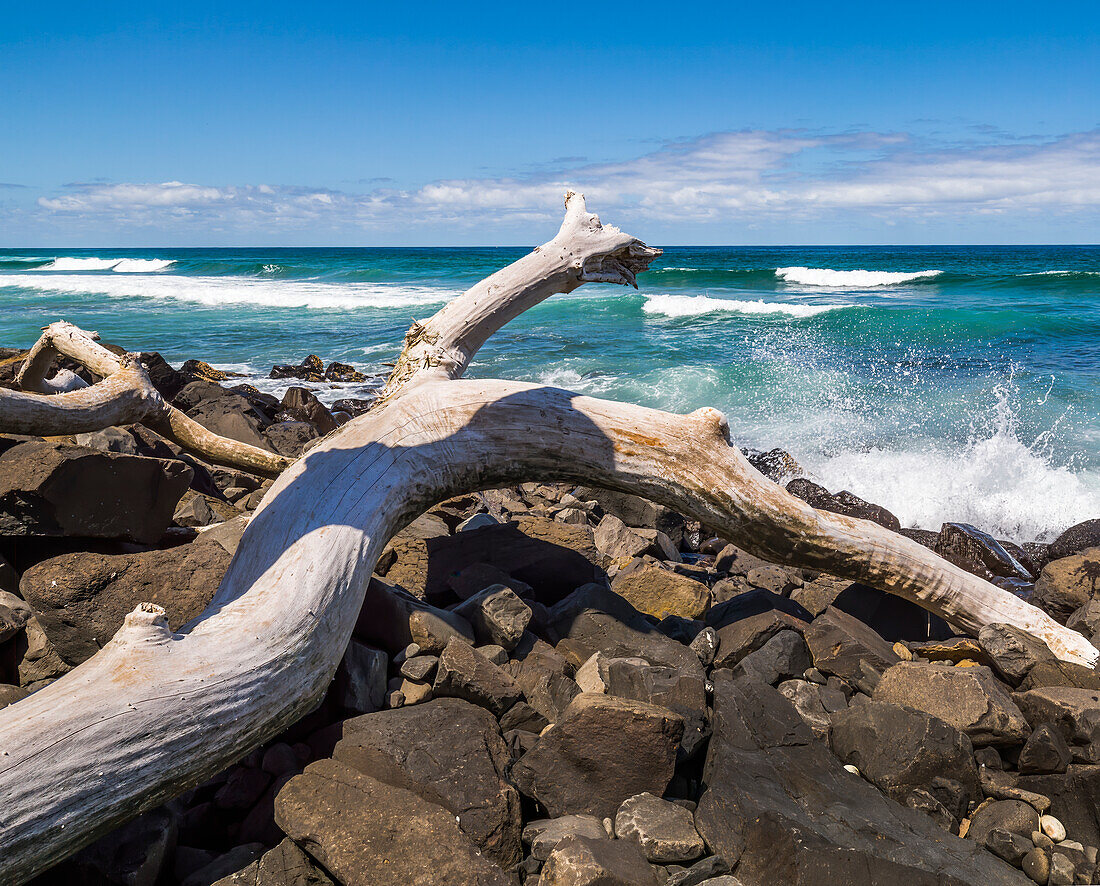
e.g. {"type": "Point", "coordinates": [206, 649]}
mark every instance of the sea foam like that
{"type": "Point", "coordinates": [857, 279]}
{"type": "Point", "coordinates": [694, 305]}
{"type": "Point", "coordinates": [121, 265]}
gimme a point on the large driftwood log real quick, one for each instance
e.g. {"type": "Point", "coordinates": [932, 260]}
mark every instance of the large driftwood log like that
{"type": "Point", "coordinates": [154, 713]}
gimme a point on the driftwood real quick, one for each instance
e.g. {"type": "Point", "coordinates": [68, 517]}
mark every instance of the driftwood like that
{"type": "Point", "coordinates": [154, 713]}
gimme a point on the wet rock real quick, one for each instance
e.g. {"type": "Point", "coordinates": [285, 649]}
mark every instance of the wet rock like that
{"type": "Point", "coordinates": [783, 807]}
{"type": "Point", "coordinates": [1074, 713]}
{"type": "Point", "coordinates": [463, 673]}
{"type": "Point", "coordinates": [842, 502]}
{"type": "Point", "coordinates": [583, 861]}
{"type": "Point", "coordinates": [595, 619]}
{"type": "Point", "coordinates": [901, 749]}
{"type": "Point", "coordinates": [310, 369]}
{"type": "Point", "coordinates": [978, 552]}
{"type": "Point", "coordinates": [665, 831]}
{"type": "Point", "coordinates": [1076, 539]}
{"type": "Point", "coordinates": [81, 599]}
{"type": "Point", "coordinates": [543, 835]}
{"type": "Point", "coordinates": [449, 752]}
{"type": "Point", "coordinates": [602, 751]}
{"type": "Point", "coordinates": [55, 489]}
{"type": "Point", "coordinates": [497, 615]}
{"type": "Point", "coordinates": [775, 464]}
{"type": "Point", "coordinates": [1013, 652]}
{"type": "Point", "coordinates": [285, 865]}
{"type": "Point", "coordinates": [847, 648]}
{"type": "Point", "coordinates": [970, 699]}
{"type": "Point", "coordinates": [660, 592]}
{"type": "Point", "coordinates": [1045, 751]}
{"type": "Point", "coordinates": [1067, 584]}
{"type": "Point", "coordinates": [783, 657]}
{"type": "Point", "coordinates": [366, 832]}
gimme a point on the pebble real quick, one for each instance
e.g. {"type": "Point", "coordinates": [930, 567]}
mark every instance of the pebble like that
{"type": "Point", "coordinates": [1041, 840]}
{"type": "Point", "coordinates": [815, 676]}
{"type": "Point", "coordinates": [852, 769]}
{"type": "Point", "coordinates": [1053, 828]}
{"type": "Point", "coordinates": [1062, 871]}
{"type": "Point", "coordinates": [1036, 865]}
{"type": "Point", "coordinates": [902, 651]}
{"type": "Point", "coordinates": [609, 827]}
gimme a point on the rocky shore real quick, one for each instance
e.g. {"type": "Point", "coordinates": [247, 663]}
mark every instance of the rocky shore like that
{"type": "Point", "coordinates": [554, 685]}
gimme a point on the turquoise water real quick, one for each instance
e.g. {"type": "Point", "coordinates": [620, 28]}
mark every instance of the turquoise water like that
{"type": "Point", "coordinates": [943, 382]}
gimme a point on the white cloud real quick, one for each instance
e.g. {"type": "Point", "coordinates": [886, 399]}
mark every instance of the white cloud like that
{"type": "Point", "coordinates": [720, 177]}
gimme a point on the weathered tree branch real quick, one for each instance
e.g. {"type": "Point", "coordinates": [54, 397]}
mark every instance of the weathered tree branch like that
{"type": "Point", "coordinates": [154, 713]}
{"type": "Point", "coordinates": [124, 396]}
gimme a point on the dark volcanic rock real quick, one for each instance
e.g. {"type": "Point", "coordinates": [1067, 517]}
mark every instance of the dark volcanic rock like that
{"type": "Point", "coordinates": [81, 599]}
{"type": "Point", "coordinates": [303, 404]}
{"type": "Point", "coordinates": [682, 692]}
{"type": "Point", "coordinates": [783, 657]}
{"type": "Point", "coordinates": [1044, 752]}
{"type": "Point", "coordinates": [55, 489]}
{"type": "Point", "coordinates": [979, 552]}
{"type": "Point", "coordinates": [370, 833]}
{"type": "Point", "coordinates": [497, 615]}
{"type": "Point", "coordinates": [1076, 539]}
{"type": "Point", "coordinates": [310, 369]}
{"type": "Point", "coordinates": [449, 752]}
{"type": "Point", "coordinates": [1013, 652]}
{"type": "Point", "coordinates": [466, 673]}
{"type": "Point", "coordinates": [842, 502]}
{"type": "Point", "coordinates": [584, 861]}
{"type": "Point", "coordinates": [289, 438]}
{"type": "Point", "coordinates": [784, 805]}
{"type": "Point", "coordinates": [227, 413]}
{"type": "Point", "coordinates": [602, 751]}
{"type": "Point", "coordinates": [900, 749]}
{"type": "Point", "coordinates": [1075, 713]}
{"type": "Point", "coordinates": [847, 648]}
{"type": "Point", "coordinates": [970, 699]}
{"type": "Point", "coordinates": [746, 622]}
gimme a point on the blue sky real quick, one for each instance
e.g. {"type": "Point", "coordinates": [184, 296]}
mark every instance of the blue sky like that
{"type": "Point", "coordinates": [419, 123]}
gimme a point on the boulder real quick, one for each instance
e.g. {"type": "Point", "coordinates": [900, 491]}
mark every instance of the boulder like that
{"type": "Point", "coordinates": [1013, 652]}
{"type": "Point", "coordinates": [900, 749]}
{"type": "Point", "coordinates": [748, 621]}
{"type": "Point", "coordinates": [783, 657]}
{"type": "Point", "coordinates": [14, 615]}
{"type": "Point", "coordinates": [1065, 584]}
{"type": "Point", "coordinates": [56, 489]}
{"type": "Point", "coordinates": [1074, 798]}
{"type": "Point", "coordinates": [682, 692]}
{"type": "Point", "coordinates": [1044, 752]}
{"type": "Point", "coordinates": [635, 511]}
{"type": "Point", "coordinates": [290, 438]}
{"type": "Point", "coordinates": [595, 619]}
{"type": "Point", "coordinates": [449, 752]}
{"type": "Point", "coordinates": [544, 677]}
{"type": "Point", "coordinates": [138, 853]}
{"type": "Point", "coordinates": [665, 831]}
{"type": "Point", "coordinates": [464, 673]}
{"type": "Point", "coordinates": [226, 413]}
{"type": "Point", "coordinates": [584, 861]}
{"type": "Point", "coordinates": [844, 646]}
{"type": "Point", "coordinates": [618, 541]}
{"type": "Point", "coordinates": [970, 699]}
{"type": "Point", "coordinates": [497, 616]}
{"type": "Point", "coordinates": [783, 805]}
{"type": "Point", "coordinates": [366, 832]}
{"type": "Point", "coordinates": [478, 576]}
{"type": "Point", "coordinates": [312, 368]}
{"type": "Point", "coordinates": [815, 704]}
{"type": "Point", "coordinates": [1074, 713]}
{"type": "Point", "coordinates": [80, 600]}
{"type": "Point", "coordinates": [302, 404]}
{"type": "Point", "coordinates": [543, 835]}
{"type": "Point", "coordinates": [40, 661]}
{"type": "Point", "coordinates": [1014, 816]}
{"type": "Point", "coordinates": [392, 619]}
{"type": "Point", "coordinates": [602, 751]}
{"type": "Point", "coordinates": [1075, 539]}
{"type": "Point", "coordinates": [660, 592]}
{"type": "Point", "coordinates": [109, 440]}
{"type": "Point", "coordinates": [979, 552]}
{"type": "Point", "coordinates": [1055, 672]}
{"type": "Point", "coordinates": [842, 502]}
{"type": "Point", "coordinates": [285, 865]}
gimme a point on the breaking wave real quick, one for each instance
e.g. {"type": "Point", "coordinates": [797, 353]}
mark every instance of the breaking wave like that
{"type": "Point", "coordinates": [695, 305]}
{"type": "Point", "coordinates": [121, 265]}
{"type": "Point", "coordinates": [856, 279]}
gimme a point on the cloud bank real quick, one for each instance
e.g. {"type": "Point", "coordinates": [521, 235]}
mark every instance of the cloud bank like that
{"type": "Point", "coordinates": [744, 178]}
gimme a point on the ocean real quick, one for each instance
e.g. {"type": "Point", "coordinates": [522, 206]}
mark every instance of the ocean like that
{"type": "Point", "coordinates": [945, 383]}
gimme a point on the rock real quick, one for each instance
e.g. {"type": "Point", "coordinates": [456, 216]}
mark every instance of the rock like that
{"type": "Point", "coordinates": [448, 752]}
{"type": "Point", "coordinates": [709, 870]}
{"type": "Point", "coordinates": [922, 801]}
{"type": "Point", "coordinates": [1076, 539]}
{"type": "Point", "coordinates": [543, 676]}
{"type": "Point", "coordinates": [595, 619]}
{"type": "Point", "coordinates": [290, 438]}
{"type": "Point", "coordinates": [40, 660]}
{"type": "Point", "coordinates": [1065, 584]}
{"type": "Point", "coordinates": [746, 622]}
{"type": "Point", "coordinates": [1061, 673]}
{"type": "Point", "coordinates": [777, 579]}
{"type": "Point", "coordinates": [660, 592]}
{"type": "Point", "coordinates": [478, 576]}
{"type": "Point", "coordinates": [1052, 828]}
{"type": "Point", "coordinates": [392, 619]}
{"type": "Point", "coordinates": [543, 835]}
{"type": "Point", "coordinates": [361, 678]}
{"type": "Point", "coordinates": [55, 489]}
{"type": "Point", "coordinates": [919, 747]}
{"type": "Point", "coordinates": [14, 615]}
{"type": "Point", "coordinates": [705, 645]}
{"type": "Point", "coordinates": [1036, 864]}
{"type": "Point", "coordinates": [227, 413]}
{"type": "Point", "coordinates": [664, 831]}
{"type": "Point", "coordinates": [420, 668]}
{"type": "Point", "coordinates": [953, 650]}
{"type": "Point", "coordinates": [781, 805]}
{"type": "Point", "coordinates": [303, 405]}
{"type": "Point", "coordinates": [462, 673]}
{"type": "Point", "coordinates": [1012, 651]}
{"type": "Point", "coordinates": [285, 865]}
{"type": "Point", "coordinates": [497, 615]}
{"type": "Point", "coordinates": [970, 699]}
{"type": "Point", "coordinates": [1015, 816]}
{"type": "Point", "coordinates": [1000, 785]}
{"type": "Point", "coordinates": [602, 751]}
{"type": "Point", "coordinates": [1062, 871]}
{"type": "Point", "coordinates": [81, 599]}
{"type": "Point", "coordinates": [618, 541]}
{"type": "Point", "coordinates": [842, 502]}
{"type": "Point", "coordinates": [635, 511]}
{"type": "Point", "coordinates": [136, 854]}
{"type": "Point", "coordinates": [1010, 846]}
{"type": "Point", "coordinates": [1074, 713]}
{"type": "Point", "coordinates": [225, 865]}
{"type": "Point", "coordinates": [584, 861]}
{"type": "Point", "coordinates": [109, 440]}
{"type": "Point", "coordinates": [1086, 620]}
{"type": "Point", "coordinates": [814, 703]}
{"type": "Point", "coordinates": [310, 369]}
{"type": "Point", "coordinates": [1045, 751]}
{"type": "Point", "coordinates": [978, 552]}
{"type": "Point", "coordinates": [783, 657]}
{"type": "Point", "coordinates": [682, 692]}
{"type": "Point", "coordinates": [523, 717]}
{"type": "Point", "coordinates": [193, 510]}
{"type": "Point", "coordinates": [849, 649]}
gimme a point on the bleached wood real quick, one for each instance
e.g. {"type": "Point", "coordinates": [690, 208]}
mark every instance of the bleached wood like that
{"type": "Point", "coordinates": [44, 415]}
